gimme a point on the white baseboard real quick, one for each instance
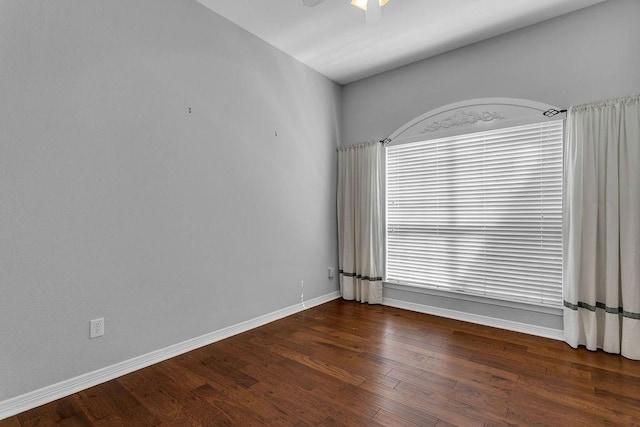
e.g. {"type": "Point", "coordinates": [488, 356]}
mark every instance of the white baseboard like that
{"type": "Point", "coordinates": [33, 399]}
{"type": "Point", "coordinates": [510, 325]}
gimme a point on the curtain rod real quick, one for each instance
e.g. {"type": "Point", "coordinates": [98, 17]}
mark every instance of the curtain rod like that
{"type": "Point", "coordinates": [549, 113]}
{"type": "Point", "coordinates": [552, 112]}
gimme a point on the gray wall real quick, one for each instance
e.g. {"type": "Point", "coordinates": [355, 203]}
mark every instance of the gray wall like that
{"type": "Point", "coordinates": [580, 57]}
{"type": "Point", "coordinates": [116, 202]}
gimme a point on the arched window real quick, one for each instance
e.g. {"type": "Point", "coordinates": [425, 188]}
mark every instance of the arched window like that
{"type": "Point", "coordinates": [474, 201]}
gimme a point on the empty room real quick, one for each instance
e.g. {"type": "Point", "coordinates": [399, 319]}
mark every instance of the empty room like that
{"type": "Point", "coordinates": [319, 212]}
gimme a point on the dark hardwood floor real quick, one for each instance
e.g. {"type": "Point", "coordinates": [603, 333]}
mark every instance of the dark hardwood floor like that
{"type": "Point", "coordinates": [346, 363]}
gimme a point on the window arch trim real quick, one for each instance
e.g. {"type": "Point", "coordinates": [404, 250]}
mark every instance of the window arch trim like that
{"type": "Point", "coordinates": [473, 115]}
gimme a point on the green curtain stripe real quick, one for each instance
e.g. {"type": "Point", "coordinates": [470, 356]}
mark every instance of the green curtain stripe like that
{"type": "Point", "coordinates": [360, 276]}
{"type": "Point", "coordinates": [600, 305]}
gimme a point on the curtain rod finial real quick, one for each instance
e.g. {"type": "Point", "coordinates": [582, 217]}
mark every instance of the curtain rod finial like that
{"type": "Point", "coordinates": [552, 112]}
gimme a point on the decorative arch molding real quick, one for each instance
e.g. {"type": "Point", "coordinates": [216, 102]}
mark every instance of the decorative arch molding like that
{"type": "Point", "coordinates": [474, 115]}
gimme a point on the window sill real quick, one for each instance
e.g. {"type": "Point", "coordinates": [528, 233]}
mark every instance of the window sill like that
{"type": "Point", "coordinates": [474, 298]}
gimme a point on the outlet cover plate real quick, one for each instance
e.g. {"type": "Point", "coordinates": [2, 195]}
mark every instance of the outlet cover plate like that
{"type": "Point", "coordinates": [97, 328]}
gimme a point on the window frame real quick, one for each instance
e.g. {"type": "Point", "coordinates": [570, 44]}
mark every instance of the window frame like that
{"type": "Point", "coordinates": [460, 119]}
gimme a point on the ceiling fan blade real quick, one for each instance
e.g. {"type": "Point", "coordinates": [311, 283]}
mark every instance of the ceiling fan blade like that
{"type": "Point", "coordinates": [373, 13]}
{"type": "Point", "coordinates": [311, 3]}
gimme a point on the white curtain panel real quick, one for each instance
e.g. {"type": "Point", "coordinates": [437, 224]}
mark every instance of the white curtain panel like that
{"type": "Point", "coordinates": [601, 262]}
{"type": "Point", "coordinates": [360, 233]}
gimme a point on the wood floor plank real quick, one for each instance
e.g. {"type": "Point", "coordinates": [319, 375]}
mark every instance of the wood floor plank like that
{"type": "Point", "coordinates": [422, 401]}
{"type": "Point", "coordinates": [239, 407]}
{"type": "Point", "coordinates": [390, 419]}
{"type": "Point", "coordinates": [10, 422]}
{"type": "Point", "coordinates": [318, 365]}
{"type": "Point", "coordinates": [110, 402]}
{"type": "Point", "coordinates": [454, 404]}
{"type": "Point", "coordinates": [303, 406]}
{"type": "Point", "coordinates": [352, 364]}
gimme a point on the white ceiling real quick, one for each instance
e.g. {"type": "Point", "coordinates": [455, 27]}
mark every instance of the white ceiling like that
{"type": "Point", "coordinates": [333, 39]}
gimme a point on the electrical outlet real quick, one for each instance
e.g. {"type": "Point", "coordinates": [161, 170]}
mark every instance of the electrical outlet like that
{"type": "Point", "coordinates": [331, 273]}
{"type": "Point", "coordinates": [97, 328]}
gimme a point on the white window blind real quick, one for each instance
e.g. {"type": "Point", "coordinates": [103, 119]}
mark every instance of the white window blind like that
{"type": "Point", "coordinates": [479, 213]}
